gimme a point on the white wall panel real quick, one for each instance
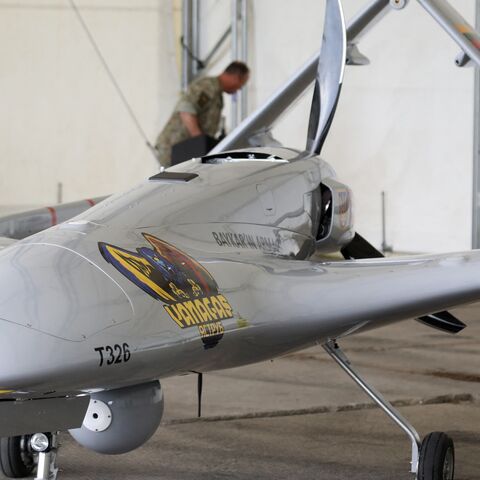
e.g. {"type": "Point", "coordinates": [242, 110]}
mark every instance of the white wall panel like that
{"type": "Point", "coordinates": [63, 121]}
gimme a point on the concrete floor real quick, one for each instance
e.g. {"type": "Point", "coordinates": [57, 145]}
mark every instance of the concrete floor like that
{"type": "Point", "coordinates": [300, 417]}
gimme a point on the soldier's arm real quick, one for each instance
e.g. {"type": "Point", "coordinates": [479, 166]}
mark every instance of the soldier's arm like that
{"type": "Point", "coordinates": [190, 121]}
{"type": "Point", "coordinates": [191, 104]}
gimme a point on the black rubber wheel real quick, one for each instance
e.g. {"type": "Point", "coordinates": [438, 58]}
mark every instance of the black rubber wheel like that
{"type": "Point", "coordinates": [437, 457]}
{"type": "Point", "coordinates": [16, 457]}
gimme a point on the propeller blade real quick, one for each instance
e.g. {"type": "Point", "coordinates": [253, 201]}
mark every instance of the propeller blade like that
{"type": "Point", "coordinates": [328, 82]}
{"type": "Point", "coordinates": [443, 321]}
{"type": "Point", "coordinates": [360, 248]}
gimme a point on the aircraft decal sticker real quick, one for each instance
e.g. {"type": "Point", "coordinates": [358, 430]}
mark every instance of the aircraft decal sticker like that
{"type": "Point", "coordinates": [246, 240]}
{"type": "Point", "coordinates": [187, 289]}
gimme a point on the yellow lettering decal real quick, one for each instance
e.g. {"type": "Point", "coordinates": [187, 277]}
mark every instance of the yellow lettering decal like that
{"type": "Point", "coordinates": [203, 311]}
{"type": "Point", "coordinates": [226, 306]}
{"type": "Point", "coordinates": [187, 318]}
{"type": "Point", "coordinates": [212, 311]}
{"type": "Point", "coordinates": [218, 307]}
{"type": "Point", "coordinates": [193, 311]}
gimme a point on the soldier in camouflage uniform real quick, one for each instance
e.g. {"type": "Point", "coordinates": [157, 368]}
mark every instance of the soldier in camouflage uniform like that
{"type": "Point", "coordinates": [199, 109]}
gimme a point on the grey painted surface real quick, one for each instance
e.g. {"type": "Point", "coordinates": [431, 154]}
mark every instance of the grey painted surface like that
{"type": "Point", "coordinates": [279, 302]}
{"type": "Point", "coordinates": [42, 415]}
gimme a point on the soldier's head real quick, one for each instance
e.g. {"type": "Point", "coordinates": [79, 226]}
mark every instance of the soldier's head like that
{"type": "Point", "coordinates": [234, 77]}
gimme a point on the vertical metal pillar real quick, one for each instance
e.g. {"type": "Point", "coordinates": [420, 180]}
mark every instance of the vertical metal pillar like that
{"type": "Point", "coordinates": [239, 52]}
{"type": "Point", "coordinates": [59, 193]}
{"type": "Point", "coordinates": [187, 74]}
{"type": "Point", "coordinates": [235, 56]}
{"type": "Point", "coordinates": [476, 148]}
{"type": "Point", "coordinates": [244, 58]}
{"type": "Point", "coordinates": [195, 36]}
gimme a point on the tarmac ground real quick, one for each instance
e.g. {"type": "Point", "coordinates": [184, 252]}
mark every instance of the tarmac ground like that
{"type": "Point", "coordinates": [301, 417]}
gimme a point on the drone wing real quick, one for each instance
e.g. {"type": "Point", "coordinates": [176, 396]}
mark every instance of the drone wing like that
{"type": "Point", "coordinates": [317, 301]}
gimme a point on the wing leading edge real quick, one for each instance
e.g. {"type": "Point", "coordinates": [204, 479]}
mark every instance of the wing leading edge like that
{"type": "Point", "coordinates": [318, 301]}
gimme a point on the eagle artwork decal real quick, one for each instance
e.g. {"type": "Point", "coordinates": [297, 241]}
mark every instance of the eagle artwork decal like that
{"type": "Point", "coordinates": [188, 291]}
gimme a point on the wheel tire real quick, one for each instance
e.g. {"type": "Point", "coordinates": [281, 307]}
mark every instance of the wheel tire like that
{"type": "Point", "coordinates": [16, 458]}
{"type": "Point", "coordinates": [437, 457]}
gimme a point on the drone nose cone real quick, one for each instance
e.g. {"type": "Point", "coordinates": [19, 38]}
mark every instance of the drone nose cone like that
{"type": "Point", "coordinates": [51, 296]}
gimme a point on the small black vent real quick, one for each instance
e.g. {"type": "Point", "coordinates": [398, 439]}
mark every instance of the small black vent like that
{"type": "Point", "coordinates": [174, 176]}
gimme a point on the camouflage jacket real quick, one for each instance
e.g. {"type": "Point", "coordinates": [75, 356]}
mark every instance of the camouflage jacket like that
{"type": "Point", "coordinates": [203, 98]}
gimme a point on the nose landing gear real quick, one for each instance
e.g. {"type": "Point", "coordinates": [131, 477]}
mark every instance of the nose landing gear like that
{"type": "Point", "coordinates": [21, 455]}
{"type": "Point", "coordinates": [16, 456]}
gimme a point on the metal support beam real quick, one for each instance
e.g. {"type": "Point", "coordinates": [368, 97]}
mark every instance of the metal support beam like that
{"type": "Point", "coordinates": [244, 58]}
{"type": "Point", "coordinates": [239, 28]}
{"type": "Point", "coordinates": [187, 43]}
{"type": "Point", "coordinates": [217, 46]}
{"type": "Point", "coordinates": [195, 37]}
{"type": "Point", "coordinates": [235, 55]}
{"type": "Point", "coordinates": [476, 149]}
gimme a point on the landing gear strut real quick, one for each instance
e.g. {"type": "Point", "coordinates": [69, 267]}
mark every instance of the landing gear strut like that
{"type": "Point", "coordinates": [21, 454]}
{"type": "Point", "coordinates": [432, 459]}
